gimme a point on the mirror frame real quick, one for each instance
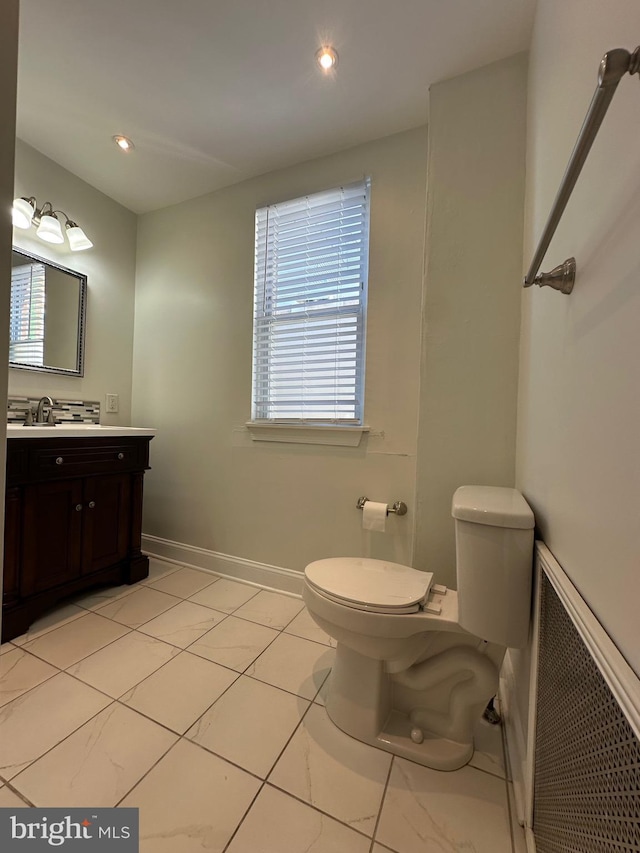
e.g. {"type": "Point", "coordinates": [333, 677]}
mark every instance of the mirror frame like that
{"type": "Point", "coordinates": [82, 310]}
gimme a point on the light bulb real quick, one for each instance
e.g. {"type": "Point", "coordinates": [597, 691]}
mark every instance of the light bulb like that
{"type": "Point", "coordinates": [49, 229]}
{"type": "Point", "coordinates": [78, 240]}
{"type": "Point", "coordinates": [327, 58]}
{"type": "Point", "coordinates": [124, 143]}
{"type": "Point", "coordinates": [22, 212]}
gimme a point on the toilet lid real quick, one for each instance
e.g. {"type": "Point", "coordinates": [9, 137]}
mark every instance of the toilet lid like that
{"type": "Point", "coordinates": [370, 584]}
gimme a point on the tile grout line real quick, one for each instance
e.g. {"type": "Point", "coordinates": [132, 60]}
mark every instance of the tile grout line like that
{"type": "Point", "coordinates": [66, 737]}
{"type": "Point", "coordinates": [317, 809]}
{"type": "Point", "coordinates": [211, 752]}
{"type": "Point", "coordinates": [60, 671]}
{"type": "Point", "coordinates": [271, 784]}
{"type": "Point", "coordinates": [15, 791]}
{"type": "Point", "coordinates": [221, 758]}
{"type": "Point", "coordinates": [280, 754]}
{"type": "Point", "coordinates": [142, 624]}
{"type": "Point", "coordinates": [171, 731]}
{"type": "Point", "coordinates": [125, 597]}
{"type": "Point", "coordinates": [95, 651]}
{"type": "Point", "coordinates": [246, 812]}
{"type": "Point", "coordinates": [297, 696]}
{"type": "Point", "coordinates": [238, 674]}
{"type": "Point", "coordinates": [135, 588]}
{"type": "Point", "coordinates": [129, 630]}
{"type": "Point", "coordinates": [384, 795]}
{"type": "Point", "coordinates": [183, 598]}
{"type": "Point", "coordinates": [146, 773]}
{"type": "Point", "coordinates": [44, 680]}
{"type": "Point", "coordinates": [181, 649]}
{"type": "Point", "coordinates": [113, 701]}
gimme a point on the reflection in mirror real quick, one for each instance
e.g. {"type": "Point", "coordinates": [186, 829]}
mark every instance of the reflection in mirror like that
{"type": "Point", "coordinates": [47, 316]}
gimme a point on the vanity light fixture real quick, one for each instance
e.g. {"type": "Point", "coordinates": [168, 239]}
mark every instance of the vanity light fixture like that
{"type": "Point", "coordinates": [27, 213]}
{"type": "Point", "coordinates": [124, 143]}
{"type": "Point", "coordinates": [327, 58]}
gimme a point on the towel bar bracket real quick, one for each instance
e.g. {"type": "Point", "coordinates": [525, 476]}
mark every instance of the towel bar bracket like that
{"type": "Point", "coordinates": [561, 278]}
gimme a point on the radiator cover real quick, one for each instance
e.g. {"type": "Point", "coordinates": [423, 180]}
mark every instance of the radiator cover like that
{"type": "Point", "coordinates": [586, 795]}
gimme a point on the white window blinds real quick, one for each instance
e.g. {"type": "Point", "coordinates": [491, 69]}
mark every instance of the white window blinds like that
{"type": "Point", "coordinates": [311, 258]}
{"type": "Point", "coordinates": [26, 324]}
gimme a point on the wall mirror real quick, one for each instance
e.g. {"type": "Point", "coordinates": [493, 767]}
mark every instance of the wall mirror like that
{"type": "Point", "coordinates": [47, 316]}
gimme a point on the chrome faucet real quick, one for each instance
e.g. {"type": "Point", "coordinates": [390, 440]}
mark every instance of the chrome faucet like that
{"type": "Point", "coordinates": [40, 421]}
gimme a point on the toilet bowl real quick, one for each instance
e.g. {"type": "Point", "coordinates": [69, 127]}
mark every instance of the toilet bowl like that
{"type": "Point", "coordinates": [416, 663]}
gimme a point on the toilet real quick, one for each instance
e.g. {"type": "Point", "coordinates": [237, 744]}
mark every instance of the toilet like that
{"type": "Point", "coordinates": [416, 663]}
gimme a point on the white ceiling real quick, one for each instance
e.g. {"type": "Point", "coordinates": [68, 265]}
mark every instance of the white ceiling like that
{"type": "Point", "coordinates": [215, 91]}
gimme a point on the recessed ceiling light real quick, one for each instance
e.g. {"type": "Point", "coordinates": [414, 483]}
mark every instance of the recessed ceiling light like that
{"type": "Point", "coordinates": [327, 58]}
{"type": "Point", "coordinates": [124, 143]}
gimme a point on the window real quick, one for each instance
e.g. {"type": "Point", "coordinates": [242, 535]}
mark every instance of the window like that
{"type": "Point", "coordinates": [310, 301]}
{"type": "Point", "coordinates": [26, 323]}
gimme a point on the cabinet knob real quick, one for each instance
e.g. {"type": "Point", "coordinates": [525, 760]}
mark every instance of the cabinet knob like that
{"type": "Point", "coordinates": [59, 460]}
{"type": "Point", "coordinates": [92, 504]}
{"type": "Point", "coordinates": [78, 507]}
{"type": "Point", "coordinates": [120, 455]}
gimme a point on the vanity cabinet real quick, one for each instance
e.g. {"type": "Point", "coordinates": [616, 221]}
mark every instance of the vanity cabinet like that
{"type": "Point", "coordinates": [73, 520]}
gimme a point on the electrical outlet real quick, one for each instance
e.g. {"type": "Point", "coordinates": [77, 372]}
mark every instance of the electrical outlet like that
{"type": "Point", "coordinates": [112, 403]}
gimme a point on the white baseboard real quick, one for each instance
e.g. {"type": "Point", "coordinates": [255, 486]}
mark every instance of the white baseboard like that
{"type": "Point", "coordinates": [530, 839]}
{"type": "Point", "coordinates": [516, 740]}
{"type": "Point", "coordinates": [249, 571]}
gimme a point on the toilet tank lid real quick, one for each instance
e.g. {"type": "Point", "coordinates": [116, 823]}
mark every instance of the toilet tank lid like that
{"type": "Point", "coordinates": [493, 505]}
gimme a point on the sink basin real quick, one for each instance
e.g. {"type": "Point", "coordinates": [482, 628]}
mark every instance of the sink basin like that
{"type": "Point", "coordinates": [70, 430]}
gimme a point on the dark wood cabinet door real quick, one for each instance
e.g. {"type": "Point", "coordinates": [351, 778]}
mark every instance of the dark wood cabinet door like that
{"type": "Point", "coordinates": [12, 544]}
{"type": "Point", "coordinates": [73, 520]}
{"type": "Point", "coordinates": [106, 527]}
{"type": "Point", "coordinates": [51, 535]}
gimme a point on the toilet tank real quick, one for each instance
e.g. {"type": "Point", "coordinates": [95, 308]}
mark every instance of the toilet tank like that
{"type": "Point", "coordinates": [494, 555]}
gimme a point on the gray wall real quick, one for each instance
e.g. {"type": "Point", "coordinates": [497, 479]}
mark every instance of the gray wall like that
{"type": "Point", "coordinates": [110, 271]}
{"type": "Point", "coordinates": [213, 487]}
{"type": "Point", "coordinates": [471, 310]}
{"type": "Point", "coordinates": [579, 406]}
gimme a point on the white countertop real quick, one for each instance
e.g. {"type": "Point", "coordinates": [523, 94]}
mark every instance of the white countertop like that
{"type": "Point", "coordinates": [75, 431]}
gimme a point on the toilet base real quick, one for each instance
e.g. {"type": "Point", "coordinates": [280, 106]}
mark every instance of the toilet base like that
{"type": "Point", "coordinates": [435, 752]}
{"type": "Point", "coordinates": [359, 703]}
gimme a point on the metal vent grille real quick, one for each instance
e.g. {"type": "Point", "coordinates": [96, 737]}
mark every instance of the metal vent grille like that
{"type": "Point", "coordinates": [587, 758]}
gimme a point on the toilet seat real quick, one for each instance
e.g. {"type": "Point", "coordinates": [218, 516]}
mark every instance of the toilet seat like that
{"type": "Point", "coordinates": [377, 586]}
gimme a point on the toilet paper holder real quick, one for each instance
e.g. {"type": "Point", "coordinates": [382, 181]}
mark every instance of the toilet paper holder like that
{"type": "Point", "coordinates": [399, 507]}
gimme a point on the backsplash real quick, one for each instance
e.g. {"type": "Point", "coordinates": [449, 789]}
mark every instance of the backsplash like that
{"type": "Point", "coordinates": [65, 411]}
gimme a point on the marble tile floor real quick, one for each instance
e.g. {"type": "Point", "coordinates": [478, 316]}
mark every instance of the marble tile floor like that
{"type": "Point", "coordinates": [199, 700]}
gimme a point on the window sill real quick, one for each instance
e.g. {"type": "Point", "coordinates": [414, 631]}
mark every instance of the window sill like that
{"type": "Point", "coordinates": [331, 434]}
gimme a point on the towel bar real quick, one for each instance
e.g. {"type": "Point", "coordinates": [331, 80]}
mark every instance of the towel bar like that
{"type": "Point", "coordinates": [613, 66]}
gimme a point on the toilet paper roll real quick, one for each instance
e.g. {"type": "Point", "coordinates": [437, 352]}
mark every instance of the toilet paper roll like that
{"type": "Point", "coordinates": [374, 516]}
